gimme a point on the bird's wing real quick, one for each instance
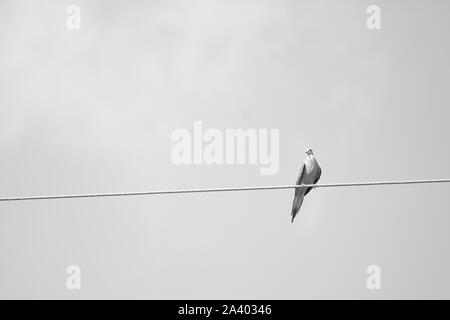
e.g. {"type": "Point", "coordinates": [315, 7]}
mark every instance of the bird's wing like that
{"type": "Point", "coordinates": [299, 193]}
{"type": "Point", "coordinates": [318, 174]}
{"type": "Point", "coordinates": [300, 178]}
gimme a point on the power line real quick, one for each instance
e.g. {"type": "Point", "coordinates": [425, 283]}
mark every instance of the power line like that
{"type": "Point", "coordinates": [160, 192]}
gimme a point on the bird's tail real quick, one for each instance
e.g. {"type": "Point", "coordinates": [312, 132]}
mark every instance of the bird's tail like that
{"type": "Point", "coordinates": [296, 205]}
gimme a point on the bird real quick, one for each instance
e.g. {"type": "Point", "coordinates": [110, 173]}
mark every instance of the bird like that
{"type": "Point", "coordinates": [309, 173]}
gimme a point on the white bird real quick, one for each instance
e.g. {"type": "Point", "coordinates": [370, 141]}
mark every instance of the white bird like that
{"type": "Point", "coordinates": [309, 173]}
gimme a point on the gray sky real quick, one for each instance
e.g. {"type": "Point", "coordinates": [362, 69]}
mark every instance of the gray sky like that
{"type": "Point", "coordinates": [92, 110]}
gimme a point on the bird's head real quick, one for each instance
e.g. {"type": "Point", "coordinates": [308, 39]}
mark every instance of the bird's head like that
{"type": "Point", "coordinates": [309, 151]}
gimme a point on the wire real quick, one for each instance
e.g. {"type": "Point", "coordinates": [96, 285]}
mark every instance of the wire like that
{"type": "Point", "coordinates": [145, 193]}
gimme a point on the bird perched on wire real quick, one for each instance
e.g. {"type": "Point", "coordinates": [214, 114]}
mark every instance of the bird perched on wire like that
{"type": "Point", "coordinates": [309, 173]}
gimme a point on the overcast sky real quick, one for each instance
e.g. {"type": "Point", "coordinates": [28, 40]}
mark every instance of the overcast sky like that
{"type": "Point", "coordinates": [93, 110]}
